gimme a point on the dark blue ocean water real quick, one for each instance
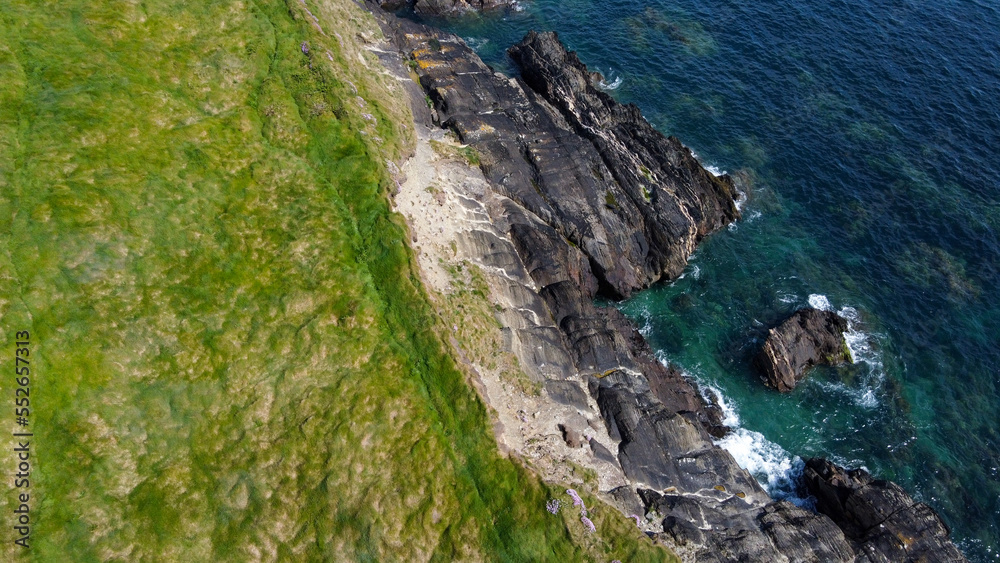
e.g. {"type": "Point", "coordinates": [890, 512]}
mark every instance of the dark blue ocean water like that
{"type": "Point", "coordinates": [870, 130]}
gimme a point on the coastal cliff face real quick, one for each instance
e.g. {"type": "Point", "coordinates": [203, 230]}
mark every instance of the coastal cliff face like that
{"type": "Point", "coordinates": [664, 198]}
{"type": "Point", "coordinates": [583, 197]}
{"type": "Point", "coordinates": [634, 201]}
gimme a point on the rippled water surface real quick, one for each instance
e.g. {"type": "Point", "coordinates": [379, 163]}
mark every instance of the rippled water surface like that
{"type": "Point", "coordinates": [870, 130]}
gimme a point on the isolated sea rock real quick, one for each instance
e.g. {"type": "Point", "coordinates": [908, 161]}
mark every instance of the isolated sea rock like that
{"type": "Point", "coordinates": [884, 522]}
{"type": "Point", "coordinates": [807, 338]}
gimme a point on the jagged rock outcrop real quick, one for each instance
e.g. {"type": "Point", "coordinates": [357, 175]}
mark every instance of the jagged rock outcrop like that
{"type": "Point", "coordinates": [809, 337]}
{"type": "Point", "coordinates": [664, 198]}
{"type": "Point", "coordinates": [592, 199]}
{"type": "Point", "coordinates": [446, 7]}
{"type": "Point", "coordinates": [634, 201]}
{"type": "Point", "coordinates": [884, 522]}
{"type": "Point", "coordinates": [392, 5]}
{"type": "Point", "coordinates": [728, 531]}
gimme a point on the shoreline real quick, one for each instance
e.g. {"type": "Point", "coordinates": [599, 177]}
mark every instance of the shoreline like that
{"type": "Point", "coordinates": [668, 411]}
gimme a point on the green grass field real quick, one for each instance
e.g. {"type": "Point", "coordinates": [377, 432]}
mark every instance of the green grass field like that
{"type": "Point", "coordinates": [231, 358]}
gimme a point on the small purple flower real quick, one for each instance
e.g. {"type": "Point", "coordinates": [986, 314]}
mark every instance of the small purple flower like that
{"type": "Point", "coordinates": [590, 525]}
{"type": "Point", "coordinates": [577, 501]}
{"type": "Point", "coordinates": [638, 521]}
{"type": "Point", "coordinates": [553, 506]}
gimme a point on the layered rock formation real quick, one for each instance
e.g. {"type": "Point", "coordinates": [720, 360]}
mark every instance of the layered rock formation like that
{"type": "Point", "coordinates": [883, 522]}
{"type": "Point", "coordinates": [584, 197]}
{"type": "Point", "coordinates": [663, 198]}
{"type": "Point", "coordinates": [809, 337]}
{"type": "Point", "coordinates": [635, 202]}
{"type": "Point", "coordinates": [446, 7]}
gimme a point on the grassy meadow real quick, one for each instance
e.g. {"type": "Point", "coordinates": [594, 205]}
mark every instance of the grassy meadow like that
{"type": "Point", "coordinates": [230, 354]}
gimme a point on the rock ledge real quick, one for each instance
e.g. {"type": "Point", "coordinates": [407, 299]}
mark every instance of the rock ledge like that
{"type": "Point", "coordinates": [883, 522]}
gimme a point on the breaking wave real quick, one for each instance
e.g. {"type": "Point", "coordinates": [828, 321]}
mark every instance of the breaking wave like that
{"type": "Point", "coordinates": [860, 346]}
{"type": "Point", "coordinates": [773, 467]}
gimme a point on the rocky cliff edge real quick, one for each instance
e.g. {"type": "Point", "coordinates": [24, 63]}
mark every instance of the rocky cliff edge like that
{"type": "Point", "coordinates": [578, 195]}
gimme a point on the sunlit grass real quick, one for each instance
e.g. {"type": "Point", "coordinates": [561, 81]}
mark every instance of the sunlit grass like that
{"type": "Point", "coordinates": [233, 359]}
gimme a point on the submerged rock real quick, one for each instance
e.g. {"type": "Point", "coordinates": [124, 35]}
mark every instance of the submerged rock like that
{"type": "Point", "coordinates": [807, 338]}
{"type": "Point", "coordinates": [884, 522]}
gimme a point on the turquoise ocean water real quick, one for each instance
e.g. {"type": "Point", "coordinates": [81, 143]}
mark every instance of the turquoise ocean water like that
{"type": "Point", "coordinates": [871, 132]}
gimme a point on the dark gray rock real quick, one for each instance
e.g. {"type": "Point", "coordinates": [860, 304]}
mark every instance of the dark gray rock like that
{"type": "Point", "coordinates": [807, 338]}
{"type": "Point", "coordinates": [458, 7]}
{"type": "Point", "coordinates": [651, 183]}
{"type": "Point", "coordinates": [627, 500]}
{"type": "Point", "coordinates": [392, 5]}
{"type": "Point", "coordinates": [567, 393]}
{"type": "Point", "coordinates": [611, 211]}
{"type": "Point", "coordinates": [632, 200]}
{"type": "Point", "coordinates": [885, 523]}
{"type": "Point", "coordinates": [572, 437]}
{"type": "Point", "coordinates": [665, 449]}
{"type": "Point", "coordinates": [601, 452]}
{"type": "Point", "coordinates": [445, 7]}
{"type": "Point", "coordinates": [735, 531]}
{"type": "Point", "coordinates": [788, 525]}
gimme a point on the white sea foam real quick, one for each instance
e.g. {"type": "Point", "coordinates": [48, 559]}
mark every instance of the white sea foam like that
{"type": "Point", "coordinates": [769, 463]}
{"type": "Point", "coordinates": [693, 269]}
{"type": "Point", "coordinates": [476, 43]}
{"type": "Point", "coordinates": [610, 80]}
{"type": "Point", "coordinates": [612, 86]}
{"type": "Point", "coordinates": [647, 323]}
{"type": "Point", "coordinates": [820, 302]}
{"type": "Point", "coordinates": [713, 394]}
{"type": "Point", "coordinates": [858, 342]}
{"type": "Point", "coordinates": [716, 171]}
{"type": "Point", "coordinates": [661, 357]}
{"type": "Point", "coordinates": [741, 196]}
{"type": "Point", "coordinates": [772, 466]}
{"type": "Point", "coordinates": [859, 345]}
